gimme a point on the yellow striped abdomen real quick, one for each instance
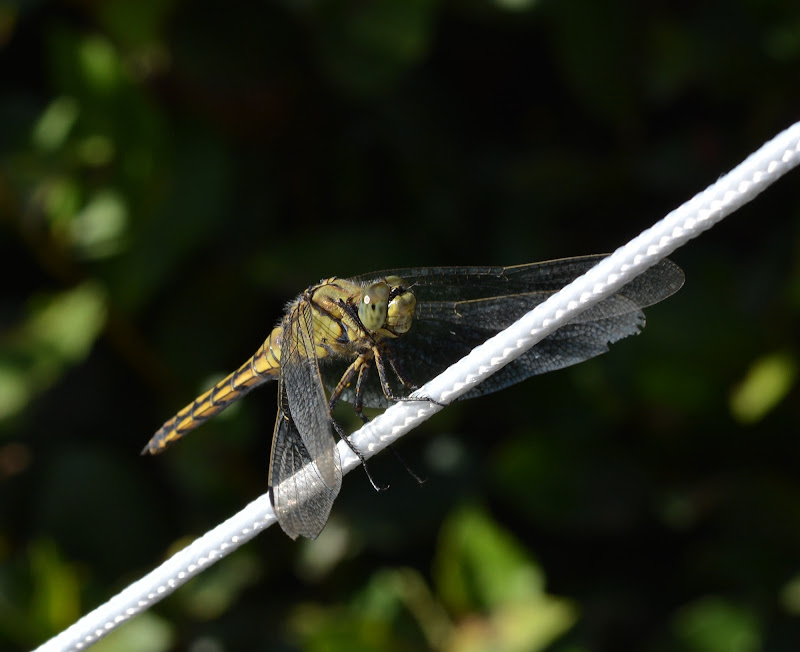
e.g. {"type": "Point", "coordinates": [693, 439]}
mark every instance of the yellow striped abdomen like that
{"type": "Point", "coordinates": [263, 366]}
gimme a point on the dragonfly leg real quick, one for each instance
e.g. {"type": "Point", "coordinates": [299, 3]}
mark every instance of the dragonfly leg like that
{"type": "Point", "coordinates": [358, 401]}
{"type": "Point", "coordinates": [361, 367]}
{"type": "Point", "coordinates": [358, 407]}
{"type": "Point", "coordinates": [419, 480]}
{"type": "Point", "coordinates": [380, 364]}
{"type": "Point", "coordinates": [344, 382]}
{"type": "Point", "coordinates": [359, 455]}
{"type": "Point", "coordinates": [395, 365]}
{"type": "Point", "coordinates": [357, 367]}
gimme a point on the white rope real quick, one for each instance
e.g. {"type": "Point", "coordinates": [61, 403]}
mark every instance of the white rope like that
{"type": "Point", "coordinates": [736, 188]}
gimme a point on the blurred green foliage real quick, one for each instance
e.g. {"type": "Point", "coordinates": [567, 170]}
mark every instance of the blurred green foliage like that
{"type": "Point", "coordinates": [172, 173]}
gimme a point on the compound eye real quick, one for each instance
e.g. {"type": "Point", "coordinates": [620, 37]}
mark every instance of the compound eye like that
{"type": "Point", "coordinates": [373, 306]}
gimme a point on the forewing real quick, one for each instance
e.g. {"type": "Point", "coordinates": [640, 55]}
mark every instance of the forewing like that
{"type": "Point", "coordinates": [302, 499]}
{"type": "Point", "coordinates": [458, 308]}
{"type": "Point", "coordinates": [306, 395]}
{"type": "Point", "coordinates": [449, 285]}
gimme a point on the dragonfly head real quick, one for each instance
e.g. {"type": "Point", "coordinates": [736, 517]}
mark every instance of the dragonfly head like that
{"type": "Point", "coordinates": [388, 304]}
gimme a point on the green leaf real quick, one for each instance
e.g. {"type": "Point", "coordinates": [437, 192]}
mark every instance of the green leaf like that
{"type": "Point", "coordinates": [766, 384]}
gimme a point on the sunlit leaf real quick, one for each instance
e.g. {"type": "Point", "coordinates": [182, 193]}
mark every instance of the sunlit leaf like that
{"type": "Point", "coordinates": [15, 390]}
{"type": "Point", "coordinates": [499, 591]}
{"type": "Point", "coordinates": [55, 123]}
{"type": "Point", "coordinates": [59, 332]}
{"type": "Point", "coordinates": [478, 564]}
{"type": "Point", "coordinates": [99, 63]}
{"type": "Point", "coordinates": [68, 323]}
{"type": "Point", "coordinates": [521, 627]}
{"type": "Point", "coordinates": [98, 230]}
{"type": "Point", "coordinates": [767, 382]}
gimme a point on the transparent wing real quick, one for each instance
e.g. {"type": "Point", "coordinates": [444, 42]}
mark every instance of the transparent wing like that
{"type": "Point", "coordinates": [301, 498]}
{"type": "Point", "coordinates": [305, 393]}
{"type": "Point", "coordinates": [305, 470]}
{"type": "Point", "coordinates": [458, 308]}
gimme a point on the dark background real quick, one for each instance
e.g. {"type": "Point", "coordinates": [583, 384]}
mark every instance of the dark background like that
{"type": "Point", "coordinates": [171, 173]}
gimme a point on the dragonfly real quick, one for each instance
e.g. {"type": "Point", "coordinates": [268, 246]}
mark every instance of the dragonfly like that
{"type": "Point", "coordinates": [371, 339]}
